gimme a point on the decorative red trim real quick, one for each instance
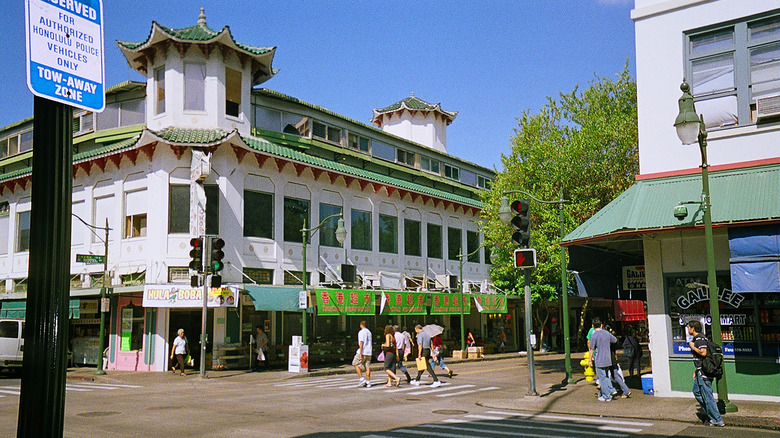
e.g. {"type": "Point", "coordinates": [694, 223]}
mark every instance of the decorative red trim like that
{"type": "Point", "coordinates": [402, 193]}
{"type": "Point", "coordinates": [447, 204]}
{"type": "Point", "coordinates": [713, 168]}
{"type": "Point", "coordinates": [378, 187]}
{"type": "Point", "coordinates": [132, 154]}
{"type": "Point", "coordinates": [116, 159]}
{"type": "Point", "coordinates": [390, 190]}
{"type": "Point", "coordinates": [211, 149]}
{"type": "Point", "coordinates": [317, 172]}
{"type": "Point", "coordinates": [178, 150]}
{"type": "Point", "coordinates": [332, 176]}
{"type": "Point", "coordinates": [148, 150]}
{"type": "Point", "coordinates": [238, 151]}
{"type": "Point", "coordinates": [101, 163]}
{"type": "Point", "coordinates": [348, 180]}
{"type": "Point", "coordinates": [260, 159]}
{"type": "Point", "coordinates": [280, 163]}
{"type": "Point", "coordinates": [425, 199]}
{"type": "Point", "coordinates": [416, 196]}
{"type": "Point", "coordinates": [363, 184]}
{"type": "Point", "coordinates": [299, 168]}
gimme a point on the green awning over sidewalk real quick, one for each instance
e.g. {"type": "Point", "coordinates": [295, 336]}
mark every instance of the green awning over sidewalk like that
{"type": "Point", "coordinates": [275, 298]}
{"type": "Point", "coordinates": [18, 309]}
{"type": "Point", "coordinates": [737, 195]}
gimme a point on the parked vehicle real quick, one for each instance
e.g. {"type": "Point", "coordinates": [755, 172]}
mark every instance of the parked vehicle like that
{"type": "Point", "coordinates": [11, 343]}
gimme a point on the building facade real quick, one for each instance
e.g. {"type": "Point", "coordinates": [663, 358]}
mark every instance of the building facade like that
{"type": "Point", "coordinates": [198, 148]}
{"type": "Point", "coordinates": [729, 53]}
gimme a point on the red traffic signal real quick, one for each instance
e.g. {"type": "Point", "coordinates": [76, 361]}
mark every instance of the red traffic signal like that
{"type": "Point", "coordinates": [525, 258]}
{"type": "Point", "coordinates": [196, 254]}
{"type": "Point", "coordinates": [522, 236]}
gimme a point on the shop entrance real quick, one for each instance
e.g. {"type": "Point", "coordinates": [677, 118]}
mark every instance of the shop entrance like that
{"type": "Point", "coordinates": [190, 321]}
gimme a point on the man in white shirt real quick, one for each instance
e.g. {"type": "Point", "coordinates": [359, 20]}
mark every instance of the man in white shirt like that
{"type": "Point", "coordinates": [363, 355]}
{"type": "Point", "coordinates": [400, 345]}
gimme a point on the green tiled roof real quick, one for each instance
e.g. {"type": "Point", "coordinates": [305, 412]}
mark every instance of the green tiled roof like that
{"type": "Point", "coordinates": [194, 137]}
{"type": "Point", "coordinates": [737, 195]}
{"type": "Point", "coordinates": [415, 104]}
{"type": "Point", "coordinates": [292, 154]}
{"type": "Point", "coordinates": [106, 149]}
{"type": "Point", "coordinates": [199, 33]}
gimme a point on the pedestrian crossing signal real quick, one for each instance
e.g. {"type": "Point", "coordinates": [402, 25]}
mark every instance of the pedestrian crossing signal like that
{"type": "Point", "coordinates": [525, 258]}
{"type": "Point", "coordinates": [522, 235]}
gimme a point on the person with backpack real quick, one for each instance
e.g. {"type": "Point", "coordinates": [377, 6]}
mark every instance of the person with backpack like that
{"type": "Point", "coordinates": [703, 349]}
{"type": "Point", "coordinates": [633, 351]}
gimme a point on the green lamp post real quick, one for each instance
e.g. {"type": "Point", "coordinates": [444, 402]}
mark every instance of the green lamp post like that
{"type": "Point", "coordinates": [460, 287]}
{"type": "Point", "coordinates": [341, 236]}
{"type": "Point", "coordinates": [691, 129]}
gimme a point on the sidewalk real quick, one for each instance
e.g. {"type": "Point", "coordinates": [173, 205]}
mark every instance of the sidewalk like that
{"type": "Point", "coordinates": [553, 398]}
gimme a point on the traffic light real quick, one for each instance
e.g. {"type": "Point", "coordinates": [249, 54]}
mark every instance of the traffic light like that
{"type": "Point", "coordinates": [196, 254]}
{"type": "Point", "coordinates": [215, 262]}
{"type": "Point", "coordinates": [525, 258]}
{"type": "Point", "coordinates": [520, 223]}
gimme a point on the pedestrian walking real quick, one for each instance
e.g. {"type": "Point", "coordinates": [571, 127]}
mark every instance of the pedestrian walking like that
{"type": "Point", "coordinates": [502, 339]}
{"type": "Point", "coordinates": [702, 384]}
{"type": "Point", "coordinates": [615, 372]}
{"type": "Point", "coordinates": [600, 342]}
{"type": "Point", "coordinates": [437, 355]}
{"type": "Point", "coordinates": [390, 351]}
{"type": "Point", "coordinates": [424, 352]}
{"type": "Point", "coordinates": [633, 351]}
{"type": "Point", "coordinates": [363, 355]}
{"type": "Point", "coordinates": [178, 350]}
{"type": "Point", "coordinates": [402, 345]}
{"type": "Point", "coordinates": [409, 344]}
{"type": "Point", "coordinates": [261, 341]}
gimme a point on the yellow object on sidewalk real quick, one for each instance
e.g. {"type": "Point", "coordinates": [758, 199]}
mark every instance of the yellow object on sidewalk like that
{"type": "Point", "coordinates": [585, 362]}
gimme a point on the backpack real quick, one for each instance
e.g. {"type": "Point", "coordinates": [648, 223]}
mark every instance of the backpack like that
{"type": "Point", "coordinates": [712, 363]}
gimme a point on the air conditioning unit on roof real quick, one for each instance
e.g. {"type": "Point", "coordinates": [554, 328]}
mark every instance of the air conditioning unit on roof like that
{"type": "Point", "coordinates": [767, 107]}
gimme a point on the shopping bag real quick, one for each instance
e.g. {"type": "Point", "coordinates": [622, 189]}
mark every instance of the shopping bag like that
{"type": "Point", "coordinates": [260, 355]}
{"type": "Point", "coordinates": [381, 357]}
{"type": "Point", "coordinates": [421, 363]}
{"type": "Point", "coordinates": [188, 360]}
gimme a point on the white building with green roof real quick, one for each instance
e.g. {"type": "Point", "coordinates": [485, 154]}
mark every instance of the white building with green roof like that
{"type": "Point", "coordinates": [195, 147]}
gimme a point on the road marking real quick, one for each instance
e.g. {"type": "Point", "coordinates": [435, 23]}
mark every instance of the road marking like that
{"type": "Point", "coordinates": [443, 387]}
{"type": "Point", "coordinates": [472, 430]}
{"type": "Point", "coordinates": [432, 433]}
{"type": "Point", "coordinates": [620, 429]}
{"type": "Point", "coordinates": [10, 391]}
{"type": "Point", "coordinates": [484, 417]}
{"type": "Point", "coordinates": [70, 388]}
{"type": "Point", "coordinates": [313, 381]}
{"type": "Point", "coordinates": [483, 371]}
{"type": "Point", "coordinates": [568, 429]}
{"type": "Point", "coordinates": [88, 386]}
{"type": "Point", "coordinates": [112, 385]}
{"type": "Point", "coordinates": [489, 388]}
{"type": "Point", "coordinates": [573, 418]}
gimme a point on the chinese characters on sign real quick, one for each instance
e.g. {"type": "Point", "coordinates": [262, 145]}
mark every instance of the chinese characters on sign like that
{"type": "Point", "coordinates": [492, 303]}
{"type": "Point", "coordinates": [345, 302]}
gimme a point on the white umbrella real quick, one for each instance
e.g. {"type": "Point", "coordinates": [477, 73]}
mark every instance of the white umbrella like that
{"type": "Point", "coordinates": [433, 329]}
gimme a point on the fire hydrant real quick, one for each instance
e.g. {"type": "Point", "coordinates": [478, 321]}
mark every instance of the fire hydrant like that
{"type": "Point", "coordinates": [585, 362]}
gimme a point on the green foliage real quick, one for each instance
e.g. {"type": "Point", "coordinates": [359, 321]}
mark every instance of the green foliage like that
{"type": "Point", "coordinates": [582, 145]}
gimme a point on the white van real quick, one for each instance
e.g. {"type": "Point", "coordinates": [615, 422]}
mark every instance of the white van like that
{"type": "Point", "coordinates": [11, 342]}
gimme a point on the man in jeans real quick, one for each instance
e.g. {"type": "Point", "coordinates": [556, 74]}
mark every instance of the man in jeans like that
{"type": "Point", "coordinates": [424, 351]}
{"type": "Point", "coordinates": [363, 355]}
{"type": "Point", "coordinates": [600, 343]}
{"type": "Point", "coordinates": [702, 385]}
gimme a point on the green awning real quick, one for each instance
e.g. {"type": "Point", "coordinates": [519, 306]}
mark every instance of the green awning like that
{"type": "Point", "coordinates": [275, 298]}
{"type": "Point", "coordinates": [18, 309]}
{"type": "Point", "coordinates": [737, 195]}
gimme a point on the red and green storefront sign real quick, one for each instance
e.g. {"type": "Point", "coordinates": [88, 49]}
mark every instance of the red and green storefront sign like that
{"type": "Point", "coordinates": [405, 303]}
{"type": "Point", "coordinates": [363, 302]}
{"type": "Point", "coordinates": [449, 304]}
{"type": "Point", "coordinates": [345, 302]}
{"type": "Point", "coordinates": [491, 303]}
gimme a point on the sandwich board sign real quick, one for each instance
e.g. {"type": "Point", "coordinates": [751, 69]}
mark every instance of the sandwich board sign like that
{"type": "Point", "coordinates": [65, 59]}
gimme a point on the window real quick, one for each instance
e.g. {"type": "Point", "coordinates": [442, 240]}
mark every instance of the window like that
{"type": "Point", "coordinates": [9, 329]}
{"type": "Point", "coordinates": [179, 209]}
{"type": "Point", "coordinates": [454, 246]}
{"type": "Point", "coordinates": [135, 225]}
{"type": "Point", "coordinates": [326, 132]}
{"type": "Point", "coordinates": [132, 334]}
{"type": "Point", "coordinates": [137, 278]}
{"type": "Point", "coordinates": [382, 150]}
{"type": "Point", "coordinates": [135, 213]}
{"type": "Point", "coordinates": [23, 231]}
{"type": "Point", "coordinates": [388, 234]}
{"type": "Point", "coordinates": [488, 255]}
{"type": "Point", "coordinates": [258, 214]}
{"type": "Point", "coordinates": [405, 157]}
{"type": "Point", "coordinates": [359, 143]}
{"type": "Point", "coordinates": [4, 226]}
{"type": "Point", "coordinates": [258, 275]}
{"type": "Point", "coordinates": [278, 121]}
{"type": "Point", "coordinates": [232, 92]}
{"type": "Point", "coordinates": [452, 172]}
{"type": "Point", "coordinates": [361, 230]}
{"type": "Point", "coordinates": [26, 141]}
{"type": "Point", "coordinates": [730, 67]}
{"type": "Point", "coordinates": [159, 79]}
{"type": "Point", "coordinates": [430, 165]}
{"type": "Point", "coordinates": [178, 274]}
{"type": "Point", "coordinates": [472, 244]}
{"type": "Point", "coordinates": [194, 86]}
{"type": "Point", "coordinates": [293, 277]}
{"type": "Point", "coordinates": [434, 241]}
{"type": "Point", "coordinates": [4, 147]}
{"type": "Point", "coordinates": [485, 183]}
{"type": "Point", "coordinates": [469, 178]}
{"type": "Point", "coordinates": [212, 208]}
{"type": "Point", "coordinates": [412, 238]}
{"type": "Point", "coordinates": [10, 145]}
{"type": "Point", "coordinates": [82, 122]}
{"type": "Point", "coordinates": [296, 218]}
{"type": "Point", "coordinates": [328, 231]}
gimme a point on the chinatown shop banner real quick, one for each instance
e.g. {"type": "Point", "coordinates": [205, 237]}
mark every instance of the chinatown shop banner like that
{"type": "Point", "coordinates": [181, 296]}
{"type": "Point", "coordinates": [345, 302]}
{"type": "Point", "coordinates": [491, 303]}
{"type": "Point", "coordinates": [449, 304]}
{"type": "Point", "coordinates": [405, 303]}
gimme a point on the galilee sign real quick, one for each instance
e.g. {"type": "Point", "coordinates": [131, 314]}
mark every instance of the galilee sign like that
{"type": "Point", "coordinates": [65, 61]}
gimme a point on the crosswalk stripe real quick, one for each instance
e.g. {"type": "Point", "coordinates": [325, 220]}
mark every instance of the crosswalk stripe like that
{"type": "Point", "coordinates": [620, 429]}
{"type": "Point", "coordinates": [441, 388]}
{"type": "Point", "coordinates": [313, 381]}
{"type": "Point", "coordinates": [70, 388]}
{"type": "Point", "coordinates": [567, 428]}
{"type": "Point", "coordinates": [572, 418]}
{"type": "Point", "coordinates": [484, 417]}
{"type": "Point", "coordinates": [112, 385]}
{"type": "Point", "coordinates": [10, 391]}
{"type": "Point", "coordinates": [471, 430]}
{"type": "Point", "coordinates": [88, 386]}
{"type": "Point", "coordinates": [489, 388]}
{"type": "Point", "coordinates": [432, 433]}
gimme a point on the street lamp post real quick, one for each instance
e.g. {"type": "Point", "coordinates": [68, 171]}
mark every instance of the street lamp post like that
{"type": "Point", "coordinates": [341, 236]}
{"type": "Point", "coordinates": [505, 215]}
{"type": "Point", "coordinates": [691, 129]}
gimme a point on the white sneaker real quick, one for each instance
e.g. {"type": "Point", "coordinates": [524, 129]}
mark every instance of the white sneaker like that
{"type": "Point", "coordinates": [436, 384]}
{"type": "Point", "coordinates": [362, 382]}
{"type": "Point", "coordinates": [415, 382]}
{"type": "Point", "coordinates": [368, 384]}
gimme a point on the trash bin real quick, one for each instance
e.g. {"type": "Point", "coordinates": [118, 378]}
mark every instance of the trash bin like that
{"type": "Point", "coordinates": [647, 384]}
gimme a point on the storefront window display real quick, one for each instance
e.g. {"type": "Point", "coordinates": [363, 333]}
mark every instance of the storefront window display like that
{"type": "Point", "coordinates": [750, 322]}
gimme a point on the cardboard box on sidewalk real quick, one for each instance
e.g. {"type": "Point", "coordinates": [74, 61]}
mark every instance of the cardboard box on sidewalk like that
{"type": "Point", "coordinates": [459, 354]}
{"type": "Point", "coordinates": [476, 350]}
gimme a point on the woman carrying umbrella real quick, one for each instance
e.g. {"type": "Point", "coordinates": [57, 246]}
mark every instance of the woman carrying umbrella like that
{"type": "Point", "coordinates": [437, 356]}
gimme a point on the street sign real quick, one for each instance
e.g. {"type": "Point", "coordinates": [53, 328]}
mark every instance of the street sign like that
{"type": "Point", "coordinates": [89, 258]}
{"type": "Point", "coordinates": [303, 299]}
{"type": "Point", "coordinates": [65, 61]}
{"type": "Point", "coordinates": [525, 258]}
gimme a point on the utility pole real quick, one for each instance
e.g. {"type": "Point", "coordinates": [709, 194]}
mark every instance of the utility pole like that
{"type": "Point", "coordinates": [103, 309]}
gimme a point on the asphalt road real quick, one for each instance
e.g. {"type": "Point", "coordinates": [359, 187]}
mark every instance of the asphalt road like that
{"type": "Point", "coordinates": [278, 404]}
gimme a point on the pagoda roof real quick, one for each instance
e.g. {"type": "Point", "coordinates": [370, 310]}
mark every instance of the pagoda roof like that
{"type": "Point", "coordinates": [414, 104]}
{"type": "Point", "coordinates": [140, 54]}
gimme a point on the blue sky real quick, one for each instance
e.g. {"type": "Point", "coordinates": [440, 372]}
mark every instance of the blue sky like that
{"type": "Point", "coordinates": [488, 60]}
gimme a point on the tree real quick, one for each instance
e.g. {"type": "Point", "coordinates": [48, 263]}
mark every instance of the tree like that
{"type": "Point", "coordinates": [583, 143]}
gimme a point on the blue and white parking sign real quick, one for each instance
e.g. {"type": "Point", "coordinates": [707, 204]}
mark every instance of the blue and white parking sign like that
{"type": "Point", "coordinates": [65, 61]}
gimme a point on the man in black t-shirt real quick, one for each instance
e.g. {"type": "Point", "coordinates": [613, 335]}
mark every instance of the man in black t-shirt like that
{"type": "Point", "coordinates": [702, 385]}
